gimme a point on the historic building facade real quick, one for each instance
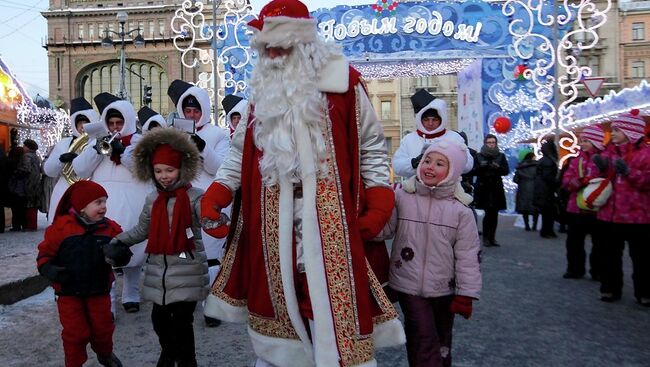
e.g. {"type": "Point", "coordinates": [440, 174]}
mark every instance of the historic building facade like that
{"type": "Point", "coordinates": [80, 66]}
{"type": "Point", "coordinates": [635, 42]}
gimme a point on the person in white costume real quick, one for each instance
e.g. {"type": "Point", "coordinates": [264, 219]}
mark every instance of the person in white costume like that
{"type": "Point", "coordinates": [235, 108]}
{"type": "Point", "coordinates": [193, 103]}
{"type": "Point", "coordinates": [431, 123]}
{"type": "Point", "coordinates": [148, 119]}
{"type": "Point", "coordinates": [81, 112]}
{"type": "Point", "coordinates": [125, 194]}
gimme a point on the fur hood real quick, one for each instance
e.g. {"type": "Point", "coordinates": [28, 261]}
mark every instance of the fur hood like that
{"type": "Point", "coordinates": [179, 141]}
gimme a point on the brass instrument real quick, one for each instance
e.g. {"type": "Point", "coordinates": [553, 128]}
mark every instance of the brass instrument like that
{"type": "Point", "coordinates": [104, 144]}
{"type": "Point", "coordinates": [77, 147]}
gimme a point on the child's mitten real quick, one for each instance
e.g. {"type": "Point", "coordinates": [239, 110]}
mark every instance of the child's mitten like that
{"type": "Point", "coordinates": [462, 305]}
{"type": "Point", "coordinates": [117, 253]}
{"type": "Point", "coordinates": [54, 273]}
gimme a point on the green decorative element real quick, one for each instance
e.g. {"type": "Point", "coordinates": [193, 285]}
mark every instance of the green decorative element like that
{"type": "Point", "coordinates": [78, 63]}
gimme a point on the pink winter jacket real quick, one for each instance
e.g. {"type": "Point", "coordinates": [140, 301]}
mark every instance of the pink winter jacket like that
{"type": "Point", "coordinates": [630, 198]}
{"type": "Point", "coordinates": [571, 181]}
{"type": "Point", "coordinates": [436, 248]}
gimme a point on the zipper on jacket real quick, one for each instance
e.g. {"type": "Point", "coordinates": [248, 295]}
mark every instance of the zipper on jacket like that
{"type": "Point", "coordinates": [426, 245]}
{"type": "Point", "coordinates": [164, 288]}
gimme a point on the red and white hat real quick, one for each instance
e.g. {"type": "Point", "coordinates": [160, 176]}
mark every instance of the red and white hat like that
{"type": "Point", "coordinates": [283, 23]}
{"type": "Point", "coordinates": [632, 125]}
{"type": "Point", "coordinates": [595, 134]}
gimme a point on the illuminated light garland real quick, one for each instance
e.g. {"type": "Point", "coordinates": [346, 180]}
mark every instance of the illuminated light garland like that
{"type": "Point", "coordinates": [600, 110]}
{"type": "Point", "coordinates": [515, 137]}
{"type": "Point", "coordinates": [410, 69]}
{"type": "Point", "coordinates": [520, 101]}
{"type": "Point", "coordinates": [43, 125]}
{"type": "Point", "coordinates": [562, 56]}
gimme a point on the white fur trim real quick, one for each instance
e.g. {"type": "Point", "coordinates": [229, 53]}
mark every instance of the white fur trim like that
{"type": "Point", "coordinates": [370, 363]}
{"type": "Point", "coordinates": [202, 96]}
{"type": "Point", "coordinates": [127, 111]}
{"type": "Point", "coordinates": [280, 352]}
{"type": "Point", "coordinates": [219, 309]}
{"type": "Point", "coordinates": [388, 334]}
{"type": "Point", "coordinates": [241, 107]}
{"type": "Point", "coordinates": [335, 76]}
{"type": "Point", "coordinates": [285, 224]}
{"type": "Point", "coordinates": [439, 105]}
{"type": "Point", "coordinates": [91, 114]}
{"type": "Point", "coordinates": [285, 32]}
{"type": "Point", "coordinates": [325, 347]}
{"type": "Point", "coordinates": [158, 118]}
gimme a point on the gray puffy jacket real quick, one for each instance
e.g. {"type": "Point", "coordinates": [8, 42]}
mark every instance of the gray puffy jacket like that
{"type": "Point", "coordinates": [178, 277]}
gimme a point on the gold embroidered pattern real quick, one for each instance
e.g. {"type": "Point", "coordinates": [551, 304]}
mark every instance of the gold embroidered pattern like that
{"type": "Point", "coordinates": [387, 309]}
{"type": "Point", "coordinates": [280, 326]}
{"type": "Point", "coordinates": [353, 349]}
{"type": "Point", "coordinates": [226, 267]}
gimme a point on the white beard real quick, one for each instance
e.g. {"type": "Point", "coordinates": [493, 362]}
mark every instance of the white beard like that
{"type": "Point", "coordinates": [285, 93]}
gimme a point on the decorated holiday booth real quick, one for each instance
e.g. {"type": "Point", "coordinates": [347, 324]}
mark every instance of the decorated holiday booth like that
{"type": "Point", "coordinates": [12, 95]}
{"type": "Point", "coordinates": [506, 55]}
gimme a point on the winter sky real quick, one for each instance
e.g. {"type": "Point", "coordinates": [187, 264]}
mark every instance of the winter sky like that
{"type": "Point", "coordinates": [23, 32]}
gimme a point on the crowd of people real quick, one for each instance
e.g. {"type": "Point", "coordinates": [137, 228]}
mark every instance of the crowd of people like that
{"type": "Point", "coordinates": [280, 221]}
{"type": "Point", "coordinates": [603, 192]}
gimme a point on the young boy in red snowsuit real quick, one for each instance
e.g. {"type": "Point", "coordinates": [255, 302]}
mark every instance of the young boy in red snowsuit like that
{"type": "Point", "coordinates": [71, 257]}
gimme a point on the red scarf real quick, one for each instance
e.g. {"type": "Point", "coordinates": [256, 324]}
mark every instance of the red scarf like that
{"type": "Point", "coordinates": [126, 141]}
{"type": "Point", "coordinates": [160, 240]}
{"type": "Point", "coordinates": [431, 136]}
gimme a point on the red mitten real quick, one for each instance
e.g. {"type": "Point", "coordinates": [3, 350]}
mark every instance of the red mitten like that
{"type": "Point", "coordinates": [379, 205]}
{"type": "Point", "coordinates": [462, 305]}
{"type": "Point", "coordinates": [216, 197]}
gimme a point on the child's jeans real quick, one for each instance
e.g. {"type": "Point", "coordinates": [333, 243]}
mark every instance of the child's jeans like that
{"type": "Point", "coordinates": [428, 325]}
{"type": "Point", "coordinates": [85, 320]}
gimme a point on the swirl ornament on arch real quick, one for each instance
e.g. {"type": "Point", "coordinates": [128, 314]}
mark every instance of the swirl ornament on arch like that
{"type": "Point", "coordinates": [552, 59]}
{"type": "Point", "coordinates": [195, 37]}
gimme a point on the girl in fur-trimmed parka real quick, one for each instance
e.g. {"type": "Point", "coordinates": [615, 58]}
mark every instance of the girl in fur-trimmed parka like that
{"type": "Point", "coordinates": [176, 272]}
{"type": "Point", "coordinates": [434, 265]}
{"type": "Point", "coordinates": [625, 216]}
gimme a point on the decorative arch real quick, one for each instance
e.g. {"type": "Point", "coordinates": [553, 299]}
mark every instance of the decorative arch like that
{"type": "Point", "coordinates": [104, 76]}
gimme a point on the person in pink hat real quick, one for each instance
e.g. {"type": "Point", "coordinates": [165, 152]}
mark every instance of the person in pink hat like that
{"type": "Point", "coordinates": [434, 263]}
{"type": "Point", "coordinates": [625, 216]}
{"type": "Point", "coordinates": [582, 222]}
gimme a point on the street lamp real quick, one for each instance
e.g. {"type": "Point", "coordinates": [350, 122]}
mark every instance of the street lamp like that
{"type": "Point", "coordinates": [107, 41]}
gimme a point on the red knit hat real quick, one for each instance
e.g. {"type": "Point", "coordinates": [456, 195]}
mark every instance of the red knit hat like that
{"type": "Point", "coordinates": [78, 195]}
{"type": "Point", "coordinates": [165, 154]}
{"type": "Point", "coordinates": [283, 23]}
{"type": "Point", "coordinates": [632, 125]}
{"type": "Point", "coordinates": [595, 134]}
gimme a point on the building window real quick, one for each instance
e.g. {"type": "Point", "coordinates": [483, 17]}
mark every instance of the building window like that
{"type": "Point", "coordinates": [151, 28]}
{"type": "Point", "coordinates": [389, 145]}
{"type": "Point", "coordinates": [91, 31]}
{"type": "Point", "coordinates": [386, 110]}
{"type": "Point", "coordinates": [638, 69]}
{"type": "Point", "coordinates": [161, 27]}
{"type": "Point", "coordinates": [106, 77]}
{"type": "Point", "coordinates": [638, 31]}
{"type": "Point", "coordinates": [101, 28]}
{"type": "Point", "coordinates": [80, 30]}
{"type": "Point", "coordinates": [594, 64]}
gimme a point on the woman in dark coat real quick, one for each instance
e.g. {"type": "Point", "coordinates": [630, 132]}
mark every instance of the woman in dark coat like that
{"type": "Point", "coordinates": [30, 168]}
{"type": "Point", "coordinates": [488, 190]}
{"type": "Point", "coordinates": [546, 184]}
{"type": "Point", "coordinates": [525, 180]}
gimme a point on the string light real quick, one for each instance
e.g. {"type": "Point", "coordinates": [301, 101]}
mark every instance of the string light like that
{"type": "Point", "coordinates": [411, 69]}
{"type": "Point", "coordinates": [43, 125]}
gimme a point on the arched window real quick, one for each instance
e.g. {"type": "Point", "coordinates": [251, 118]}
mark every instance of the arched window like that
{"type": "Point", "coordinates": [105, 77]}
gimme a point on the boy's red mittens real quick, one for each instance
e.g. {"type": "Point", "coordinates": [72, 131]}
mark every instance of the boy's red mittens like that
{"type": "Point", "coordinates": [216, 197]}
{"type": "Point", "coordinates": [461, 305]}
{"type": "Point", "coordinates": [379, 205]}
